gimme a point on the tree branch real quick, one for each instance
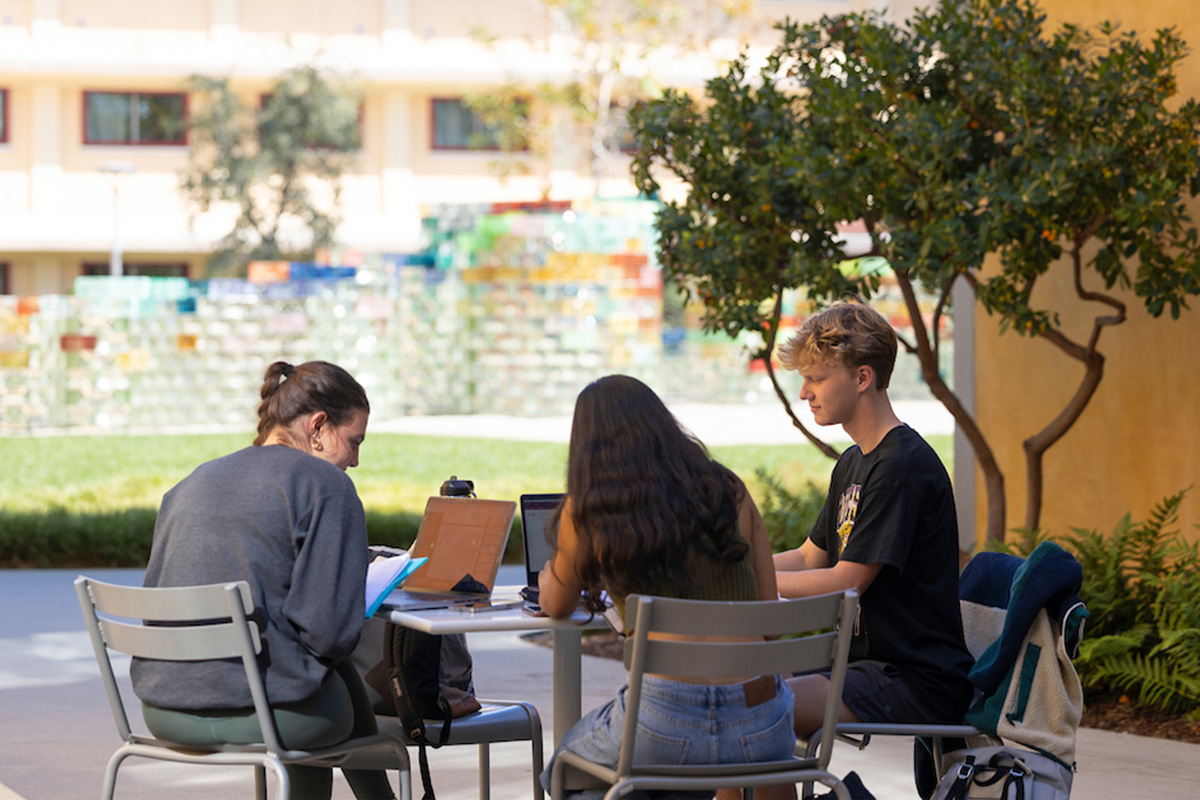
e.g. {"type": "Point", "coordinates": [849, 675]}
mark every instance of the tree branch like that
{"type": "Point", "coordinates": [937, 320]}
{"type": "Point", "coordinates": [776, 315]}
{"type": "Point", "coordinates": [1100, 322]}
{"type": "Point", "coordinates": [993, 478]}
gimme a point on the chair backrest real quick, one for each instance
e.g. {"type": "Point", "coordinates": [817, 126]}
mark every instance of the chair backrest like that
{"type": "Point", "coordinates": [188, 623]}
{"type": "Point", "coordinates": [817, 630]}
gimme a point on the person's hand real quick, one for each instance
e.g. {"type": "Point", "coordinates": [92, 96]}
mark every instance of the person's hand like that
{"type": "Point", "coordinates": [545, 574]}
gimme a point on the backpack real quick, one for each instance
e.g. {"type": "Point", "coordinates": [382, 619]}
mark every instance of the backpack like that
{"type": "Point", "coordinates": [1005, 773]}
{"type": "Point", "coordinates": [1024, 622]}
{"type": "Point", "coordinates": [426, 677]}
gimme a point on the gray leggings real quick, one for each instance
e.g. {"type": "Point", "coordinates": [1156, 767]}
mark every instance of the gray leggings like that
{"type": "Point", "coordinates": [338, 711]}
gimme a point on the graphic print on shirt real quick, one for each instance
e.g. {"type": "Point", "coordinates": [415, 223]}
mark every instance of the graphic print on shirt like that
{"type": "Point", "coordinates": [847, 513]}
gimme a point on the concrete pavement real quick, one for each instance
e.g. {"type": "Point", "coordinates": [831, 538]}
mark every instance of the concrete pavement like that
{"type": "Point", "coordinates": [57, 732]}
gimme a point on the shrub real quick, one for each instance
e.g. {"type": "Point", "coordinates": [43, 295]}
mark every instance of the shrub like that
{"type": "Point", "coordinates": [788, 515]}
{"type": "Point", "coordinates": [63, 538]}
{"type": "Point", "coordinates": [1141, 583]}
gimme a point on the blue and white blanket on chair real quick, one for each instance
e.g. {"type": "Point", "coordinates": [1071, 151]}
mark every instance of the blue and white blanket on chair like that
{"type": "Point", "coordinates": [1024, 620]}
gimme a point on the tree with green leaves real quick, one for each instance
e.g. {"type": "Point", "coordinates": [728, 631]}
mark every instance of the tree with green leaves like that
{"type": "Point", "coordinates": [613, 44]}
{"type": "Point", "coordinates": [278, 161]}
{"type": "Point", "coordinates": [975, 145]}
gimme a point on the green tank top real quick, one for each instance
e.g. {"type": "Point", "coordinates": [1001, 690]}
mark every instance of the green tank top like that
{"type": "Point", "coordinates": [717, 581]}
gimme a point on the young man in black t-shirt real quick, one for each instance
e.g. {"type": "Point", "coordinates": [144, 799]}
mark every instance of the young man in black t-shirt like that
{"type": "Point", "coordinates": [888, 529]}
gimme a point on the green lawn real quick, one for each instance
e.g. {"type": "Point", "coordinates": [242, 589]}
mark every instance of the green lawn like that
{"type": "Point", "coordinates": [90, 482]}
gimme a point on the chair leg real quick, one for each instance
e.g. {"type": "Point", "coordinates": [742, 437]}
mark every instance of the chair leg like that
{"type": "Point", "coordinates": [807, 788]}
{"type": "Point", "coordinates": [405, 774]}
{"type": "Point", "coordinates": [283, 787]}
{"type": "Point", "coordinates": [839, 789]}
{"type": "Point", "coordinates": [485, 772]}
{"type": "Point", "coordinates": [110, 773]}
{"type": "Point", "coordinates": [538, 766]}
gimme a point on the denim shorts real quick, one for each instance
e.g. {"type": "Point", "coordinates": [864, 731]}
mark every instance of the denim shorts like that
{"type": "Point", "coordinates": [685, 723]}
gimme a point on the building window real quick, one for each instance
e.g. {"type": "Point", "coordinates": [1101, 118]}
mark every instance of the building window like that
{"type": "Point", "coordinates": [3, 116]}
{"type": "Point", "coordinates": [134, 118]}
{"type": "Point", "coordinates": [167, 270]}
{"type": "Point", "coordinates": [457, 127]}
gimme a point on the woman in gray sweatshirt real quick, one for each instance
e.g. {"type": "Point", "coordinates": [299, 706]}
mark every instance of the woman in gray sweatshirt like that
{"type": "Point", "coordinates": [284, 516]}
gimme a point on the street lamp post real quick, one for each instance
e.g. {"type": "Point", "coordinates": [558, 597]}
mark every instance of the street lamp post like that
{"type": "Point", "coordinates": [114, 169]}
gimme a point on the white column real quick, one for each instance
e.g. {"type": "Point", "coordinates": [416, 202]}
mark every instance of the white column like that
{"type": "Point", "coordinates": [223, 19]}
{"type": "Point", "coordinates": [397, 21]}
{"type": "Point", "coordinates": [964, 387]}
{"type": "Point", "coordinates": [46, 18]}
{"type": "Point", "coordinates": [115, 170]}
{"type": "Point", "coordinates": [398, 191]}
{"type": "Point", "coordinates": [46, 172]}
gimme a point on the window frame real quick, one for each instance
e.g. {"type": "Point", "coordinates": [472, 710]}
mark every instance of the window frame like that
{"type": "Point", "coordinates": [494, 147]}
{"type": "Point", "coordinates": [4, 128]}
{"type": "Point", "coordinates": [101, 268]}
{"type": "Point", "coordinates": [182, 141]}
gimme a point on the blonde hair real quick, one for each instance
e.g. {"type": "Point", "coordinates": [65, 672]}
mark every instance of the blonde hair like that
{"type": "Point", "coordinates": [849, 333]}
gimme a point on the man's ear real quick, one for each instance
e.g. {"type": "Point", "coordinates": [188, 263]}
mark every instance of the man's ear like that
{"type": "Point", "coordinates": [864, 378]}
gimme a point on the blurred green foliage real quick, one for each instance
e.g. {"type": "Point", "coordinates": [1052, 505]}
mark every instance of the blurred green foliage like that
{"type": "Point", "coordinates": [1141, 584]}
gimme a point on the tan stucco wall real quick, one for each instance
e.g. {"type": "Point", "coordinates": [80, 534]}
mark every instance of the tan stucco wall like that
{"type": "Point", "coordinates": [1139, 439]}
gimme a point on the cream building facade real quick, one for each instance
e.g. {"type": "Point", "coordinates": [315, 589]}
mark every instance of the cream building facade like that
{"type": "Point", "coordinates": [84, 171]}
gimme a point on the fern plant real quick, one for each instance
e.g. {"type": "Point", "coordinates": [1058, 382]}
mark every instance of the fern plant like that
{"type": "Point", "coordinates": [1141, 583]}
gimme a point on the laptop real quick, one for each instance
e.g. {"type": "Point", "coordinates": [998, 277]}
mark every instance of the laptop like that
{"type": "Point", "coordinates": [536, 511]}
{"type": "Point", "coordinates": [464, 539]}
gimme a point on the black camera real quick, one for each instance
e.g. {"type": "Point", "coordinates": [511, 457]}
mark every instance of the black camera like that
{"type": "Point", "coordinates": [458, 488]}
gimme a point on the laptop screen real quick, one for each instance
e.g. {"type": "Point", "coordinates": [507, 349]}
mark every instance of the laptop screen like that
{"type": "Point", "coordinates": [536, 511]}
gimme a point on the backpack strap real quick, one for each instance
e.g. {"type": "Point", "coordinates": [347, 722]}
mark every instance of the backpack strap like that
{"type": "Point", "coordinates": [400, 648]}
{"type": "Point", "coordinates": [965, 775]}
{"type": "Point", "coordinates": [1014, 775]}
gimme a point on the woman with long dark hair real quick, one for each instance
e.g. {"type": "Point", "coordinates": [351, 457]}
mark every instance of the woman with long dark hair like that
{"type": "Point", "coordinates": [648, 511]}
{"type": "Point", "coordinates": [283, 516]}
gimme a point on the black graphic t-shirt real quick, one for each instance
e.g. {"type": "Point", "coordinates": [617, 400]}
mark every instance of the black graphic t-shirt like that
{"type": "Point", "coordinates": [895, 506]}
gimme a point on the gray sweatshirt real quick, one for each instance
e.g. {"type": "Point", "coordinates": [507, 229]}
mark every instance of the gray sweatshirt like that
{"type": "Point", "coordinates": [292, 526]}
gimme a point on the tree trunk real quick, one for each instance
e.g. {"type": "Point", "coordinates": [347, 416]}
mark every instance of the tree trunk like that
{"type": "Point", "coordinates": [993, 478]}
{"type": "Point", "coordinates": [1093, 363]}
{"type": "Point", "coordinates": [1037, 445]}
{"type": "Point", "coordinates": [776, 314]}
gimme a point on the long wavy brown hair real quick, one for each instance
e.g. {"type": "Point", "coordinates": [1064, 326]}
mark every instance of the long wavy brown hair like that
{"type": "Point", "coordinates": [645, 493]}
